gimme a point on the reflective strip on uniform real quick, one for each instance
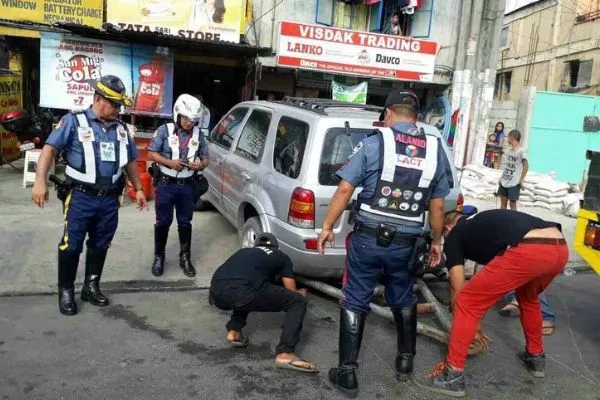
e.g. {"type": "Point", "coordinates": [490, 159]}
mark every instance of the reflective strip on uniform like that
{"type": "Point", "coordinates": [123, 158]}
{"type": "Point", "coordinates": [430, 162]}
{"type": "Point", "coordinates": [89, 159]}
{"type": "Point", "coordinates": [392, 160]}
{"type": "Point", "coordinates": [193, 145]}
{"type": "Point", "coordinates": [389, 155]}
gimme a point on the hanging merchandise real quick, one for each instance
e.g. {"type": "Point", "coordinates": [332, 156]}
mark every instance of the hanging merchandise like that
{"type": "Point", "coordinates": [350, 94]}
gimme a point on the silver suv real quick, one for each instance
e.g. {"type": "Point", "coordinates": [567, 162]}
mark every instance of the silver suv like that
{"type": "Point", "coordinates": [272, 169]}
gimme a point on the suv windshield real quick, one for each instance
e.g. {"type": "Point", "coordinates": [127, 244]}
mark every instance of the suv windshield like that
{"type": "Point", "coordinates": [337, 148]}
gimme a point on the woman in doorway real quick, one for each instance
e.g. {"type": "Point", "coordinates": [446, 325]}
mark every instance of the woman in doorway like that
{"type": "Point", "coordinates": [498, 135]}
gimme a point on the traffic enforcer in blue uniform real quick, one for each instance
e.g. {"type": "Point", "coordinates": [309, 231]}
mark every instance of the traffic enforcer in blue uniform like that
{"type": "Point", "coordinates": [403, 174]}
{"type": "Point", "coordinates": [180, 151]}
{"type": "Point", "coordinates": [98, 149]}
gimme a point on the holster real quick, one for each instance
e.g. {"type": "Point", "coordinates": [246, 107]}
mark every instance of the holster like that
{"type": "Point", "coordinates": [353, 212]}
{"type": "Point", "coordinates": [420, 255]}
{"type": "Point", "coordinates": [155, 173]}
{"type": "Point", "coordinates": [62, 187]}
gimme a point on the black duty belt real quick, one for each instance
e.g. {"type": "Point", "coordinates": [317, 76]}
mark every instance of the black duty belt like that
{"type": "Point", "coordinates": [177, 181]}
{"type": "Point", "coordinates": [539, 240]}
{"type": "Point", "coordinates": [95, 192]}
{"type": "Point", "coordinates": [399, 238]}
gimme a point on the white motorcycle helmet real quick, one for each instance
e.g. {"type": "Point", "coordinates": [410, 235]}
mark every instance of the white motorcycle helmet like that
{"type": "Point", "coordinates": [187, 106]}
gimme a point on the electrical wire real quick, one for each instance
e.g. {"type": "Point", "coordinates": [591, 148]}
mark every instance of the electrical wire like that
{"type": "Point", "coordinates": [263, 14]}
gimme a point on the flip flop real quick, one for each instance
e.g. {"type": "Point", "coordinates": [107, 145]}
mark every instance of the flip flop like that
{"type": "Point", "coordinates": [290, 365]}
{"type": "Point", "coordinates": [510, 310]}
{"type": "Point", "coordinates": [243, 343]}
{"type": "Point", "coordinates": [550, 327]}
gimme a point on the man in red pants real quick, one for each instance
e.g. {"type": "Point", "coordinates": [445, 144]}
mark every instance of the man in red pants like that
{"type": "Point", "coordinates": [522, 253]}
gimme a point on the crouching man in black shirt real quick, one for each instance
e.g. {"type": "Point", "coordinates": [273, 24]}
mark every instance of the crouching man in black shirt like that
{"type": "Point", "coordinates": [245, 283]}
{"type": "Point", "coordinates": [521, 253]}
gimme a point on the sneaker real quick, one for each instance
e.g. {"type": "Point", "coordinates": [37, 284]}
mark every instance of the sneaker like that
{"type": "Point", "coordinates": [536, 365]}
{"type": "Point", "coordinates": [444, 380]}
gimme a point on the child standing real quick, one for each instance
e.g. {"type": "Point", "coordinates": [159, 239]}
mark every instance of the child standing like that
{"type": "Point", "coordinates": [514, 172]}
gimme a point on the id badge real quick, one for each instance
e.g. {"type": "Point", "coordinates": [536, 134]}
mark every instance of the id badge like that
{"type": "Point", "coordinates": [122, 134]}
{"type": "Point", "coordinates": [85, 134]}
{"type": "Point", "coordinates": [107, 152]}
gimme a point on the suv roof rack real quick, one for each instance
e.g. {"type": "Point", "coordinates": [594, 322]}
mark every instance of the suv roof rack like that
{"type": "Point", "coordinates": [319, 106]}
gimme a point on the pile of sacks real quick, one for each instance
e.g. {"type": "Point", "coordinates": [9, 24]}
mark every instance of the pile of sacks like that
{"type": "Point", "coordinates": [479, 182]}
{"type": "Point", "coordinates": [538, 190]}
{"type": "Point", "coordinates": [543, 191]}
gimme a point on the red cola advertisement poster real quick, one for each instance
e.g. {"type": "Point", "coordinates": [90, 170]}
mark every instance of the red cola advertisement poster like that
{"type": "Point", "coordinates": [70, 63]}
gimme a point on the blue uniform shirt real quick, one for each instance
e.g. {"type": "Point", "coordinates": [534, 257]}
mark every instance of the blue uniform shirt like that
{"type": "Point", "coordinates": [64, 138]}
{"type": "Point", "coordinates": [160, 143]}
{"type": "Point", "coordinates": [362, 169]}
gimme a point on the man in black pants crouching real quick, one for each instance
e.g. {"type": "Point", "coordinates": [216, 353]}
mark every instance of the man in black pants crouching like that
{"type": "Point", "coordinates": [245, 283]}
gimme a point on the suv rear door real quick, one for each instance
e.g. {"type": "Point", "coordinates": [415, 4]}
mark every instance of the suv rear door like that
{"type": "Point", "coordinates": [242, 165]}
{"type": "Point", "coordinates": [282, 169]}
{"type": "Point", "coordinates": [337, 147]}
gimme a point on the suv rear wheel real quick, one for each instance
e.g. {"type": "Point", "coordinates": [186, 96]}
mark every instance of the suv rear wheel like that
{"type": "Point", "coordinates": [251, 229]}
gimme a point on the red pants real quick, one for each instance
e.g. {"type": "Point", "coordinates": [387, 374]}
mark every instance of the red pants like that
{"type": "Point", "coordinates": [527, 269]}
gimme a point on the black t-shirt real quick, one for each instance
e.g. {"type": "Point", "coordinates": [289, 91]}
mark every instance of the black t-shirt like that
{"type": "Point", "coordinates": [483, 236]}
{"type": "Point", "coordinates": [256, 265]}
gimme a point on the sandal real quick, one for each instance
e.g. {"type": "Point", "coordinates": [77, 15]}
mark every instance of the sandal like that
{"type": "Point", "coordinates": [510, 310]}
{"type": "Point", "coordinates": [294, 365]}
{"type": "Point", "coordinates": [548, 328]}
{"type": "Point", "coordinates": [243, 342]}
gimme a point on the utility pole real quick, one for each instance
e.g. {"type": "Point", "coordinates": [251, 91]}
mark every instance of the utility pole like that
{"type": "Point", "coordinates": [473, 87]}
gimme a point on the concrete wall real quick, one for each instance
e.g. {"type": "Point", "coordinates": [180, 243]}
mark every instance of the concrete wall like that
{"type": "Point", "coordinates": [504, 111]}
{"type": "Point", "coordinates": [444, 22]}
{"type": "Point", "coordinates": [561, 38]}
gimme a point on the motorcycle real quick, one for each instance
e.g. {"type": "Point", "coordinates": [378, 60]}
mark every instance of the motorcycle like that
{"type": "Point", "coordinates": [31, 132]}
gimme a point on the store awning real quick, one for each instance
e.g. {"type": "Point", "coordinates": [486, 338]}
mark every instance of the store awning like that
{"type": "Point", "coordinates": [200, 47]}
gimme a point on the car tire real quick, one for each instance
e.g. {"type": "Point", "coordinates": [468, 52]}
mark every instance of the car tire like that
{"type": "Point", "coordinates": [251, 229]}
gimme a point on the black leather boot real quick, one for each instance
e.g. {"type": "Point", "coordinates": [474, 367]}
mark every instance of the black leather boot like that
{"type": "Point", "coordinates": [67, 271]}
{"type": "Point", "coordinates": [344, 376]}
{"type": "Point", "coordinates": [185, 241]}
{"type": "Point", "coordinates": [161, 233]}
{"type": "Point", "coordinates": [94, 264]}
{"type": "Point", "coordinates": [406, 330]}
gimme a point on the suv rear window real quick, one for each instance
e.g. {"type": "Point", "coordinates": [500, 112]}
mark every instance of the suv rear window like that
{"type": "Point", "coordinates": [337, 148]}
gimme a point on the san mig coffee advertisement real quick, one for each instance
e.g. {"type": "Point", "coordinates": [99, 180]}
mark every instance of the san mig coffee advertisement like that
{"type": "Point", "coordinates": [69, 63]}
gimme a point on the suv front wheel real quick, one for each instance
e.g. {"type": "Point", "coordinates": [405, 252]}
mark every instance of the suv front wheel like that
{"type": "Point", "coordinates": [251, 229]}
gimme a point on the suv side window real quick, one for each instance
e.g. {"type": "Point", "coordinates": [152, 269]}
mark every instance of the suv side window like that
{"type": "Point", "coordinates": [254, 135]}
{"type": "Point", "coordinates": [228, 129]}
{"type": "Point", "coordinates": [290, 143]}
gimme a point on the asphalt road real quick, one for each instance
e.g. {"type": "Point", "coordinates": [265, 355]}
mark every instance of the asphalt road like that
{"type": "Point", "coordinates": [171, 346]}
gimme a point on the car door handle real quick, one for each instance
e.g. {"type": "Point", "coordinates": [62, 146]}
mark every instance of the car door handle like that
{"type": "Point", "coordinates": [246, 176]}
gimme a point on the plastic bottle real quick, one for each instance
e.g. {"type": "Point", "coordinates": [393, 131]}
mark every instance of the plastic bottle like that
{"type": "Point", "coordinates": [151, 85]}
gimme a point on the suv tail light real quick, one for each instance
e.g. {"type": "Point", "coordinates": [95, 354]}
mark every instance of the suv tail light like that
{"type": "Point", "coordinates": [460, 202]}
{"type": "Point", "coordinates": [592, 235]}
{"type": "Point", "coordinates": [302, 208]}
